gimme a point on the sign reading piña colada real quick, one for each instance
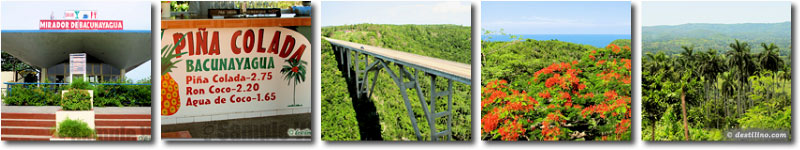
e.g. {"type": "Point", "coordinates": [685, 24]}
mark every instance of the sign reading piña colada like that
{"type": "Point", "coordinates": [233, 70]}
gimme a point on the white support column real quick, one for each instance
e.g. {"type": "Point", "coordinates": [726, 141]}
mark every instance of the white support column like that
{"type": "Point", "coordinates": [122, 75]}
{"type": "Point", "coordinates": [43, 75]}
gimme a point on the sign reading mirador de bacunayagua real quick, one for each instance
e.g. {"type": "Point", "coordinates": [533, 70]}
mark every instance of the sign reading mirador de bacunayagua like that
{"type": "Point", "coordinates": [218, 71]}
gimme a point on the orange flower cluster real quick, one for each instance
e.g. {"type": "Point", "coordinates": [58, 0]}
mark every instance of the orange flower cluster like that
{"type": "Point", "coordinates": [511, 131]}
{"type": "Point", "coordinates": [623, 126]}
{"type": "Point", "coordinates": [609, 74]}
{"type": "Point", "coordinates": [553, 68]}
{"type": "Point", "coordinates": [565, 95]}
{"type": "Point", "coordinates": [614, 48]}
{"type": "Point", "coordinates": [504, 102]}
{"type": "Point", "coordinates": [492, 89]}
{"type": "Point", "coordinates": [612, 94]}
{"type": "Point", "coordinates": [489, 121]}
{"type": "Point", "coordinates": [627, 63]}
{"type": "Point", "coordinates": [612, 102]}
{"type": "Point", "coordinates": [544, 95]}
{"type": "Point", "coordinates": [556, 79]}
{"type": "Point", "coordinates": [551, 132]}
{"type": "Point", "coordinates": [566, 81]}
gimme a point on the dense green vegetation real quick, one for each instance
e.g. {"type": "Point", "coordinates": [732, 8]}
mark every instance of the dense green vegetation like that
{"type": "Point", "coordinates": [384, 117]}
{"type": "Point", "coordinates": [670, 39]}
{"type": "Point", "coordinates": [555, 91]}
{"type": "Point", "coordinates": [700, 95]}
{"type": "Point", "coordinates": [114, 95]}
{"type": "Point", "coordinates": [449, 42]}
{"type": "Point", "coordinates": [106, 94]}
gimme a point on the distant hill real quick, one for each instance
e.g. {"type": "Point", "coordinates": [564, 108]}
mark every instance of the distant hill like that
{"type": "Point", "coordinates": [716, 36]}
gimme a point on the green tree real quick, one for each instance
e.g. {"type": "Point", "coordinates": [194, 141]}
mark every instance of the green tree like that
{"type": "Point", "coordinates": [769, 58]}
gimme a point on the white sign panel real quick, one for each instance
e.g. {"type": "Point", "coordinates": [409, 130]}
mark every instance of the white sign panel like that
{"type": "Point", "coordinates": [77, 63]}
{"type": "Point", "coordinates": [220, 71]}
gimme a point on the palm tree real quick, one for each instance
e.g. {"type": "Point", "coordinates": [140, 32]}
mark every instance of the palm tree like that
{"type": "Point", "coordinates": [688, 59]}
{"type": "Point", "coordinates": [741, 59]}
{"type": "Point", "coordinates": [769, 57]}
{"type": "Point", "coordinates": [709, 66]}
{"type": "Point", "coordinates": [654, 98]}
{"type": "Point", "coordinates": [657, 61]}
{"type": "Point", "coordinates": [294, 71]}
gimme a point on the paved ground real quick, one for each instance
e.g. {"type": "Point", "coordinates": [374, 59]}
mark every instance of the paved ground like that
{"type": "Point", "coordinates": [30, 109]}
{"type": "Point", "coordinates": [98, 110]}
{"type": "Point", "coordinates": [272, 127]}
{"type": "Point", "coordinates": [123, 110]}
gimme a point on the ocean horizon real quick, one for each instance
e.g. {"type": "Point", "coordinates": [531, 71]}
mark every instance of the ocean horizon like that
{"type": "Point", "coordinates": [596, 40]}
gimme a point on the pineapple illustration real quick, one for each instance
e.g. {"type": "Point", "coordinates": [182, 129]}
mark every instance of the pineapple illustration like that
{"type": "Point", "coordinates": [170, 99]}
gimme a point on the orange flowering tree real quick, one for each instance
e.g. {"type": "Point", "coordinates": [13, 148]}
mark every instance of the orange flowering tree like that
{"type": "Point", "coordinates": [585, 99]}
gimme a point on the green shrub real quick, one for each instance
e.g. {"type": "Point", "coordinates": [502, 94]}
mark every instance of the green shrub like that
{"type": "Point", "coordinates": [122, 95]}
{"type": "Point", "coordinates": [30, 96]}
{"type": "Point", "coordinates": [76, 100]}
{"type": "Point", "coordinates": [74, 129]}
{"type": "Point", "coordinates": [79, 83]}
{"type": "Point", "coordinates": [106, 101]}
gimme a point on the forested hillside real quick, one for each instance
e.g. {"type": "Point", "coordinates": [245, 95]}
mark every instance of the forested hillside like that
{"type": "Point", "coordinates": [384, 117]}
{"type": "Point", "coordinates": [670, 39]}
{"type": "Point", "coordinates": [450, 42]}
{"type": "Point", "coordinates": [555, 91]}
{"type": "Point", "coordinates": [700, 95]}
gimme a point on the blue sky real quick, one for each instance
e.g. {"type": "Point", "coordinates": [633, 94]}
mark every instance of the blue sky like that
{"type": "Point", "coordinates": [21, 15]}
{"type": "Point", "coordinates": [539, 17]}
{"type": "Point", "coordinates": [676, 13]}
{"type": "Point", "coordinates": [407, 12]}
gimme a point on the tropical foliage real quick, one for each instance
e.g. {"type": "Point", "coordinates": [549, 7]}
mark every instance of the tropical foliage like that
{"type": "Point", "coordinates": [384, 116]}
{"type": "Point", "coordinates": [698, 95]}
{"type": "Point", "coordinates": [555, 91]}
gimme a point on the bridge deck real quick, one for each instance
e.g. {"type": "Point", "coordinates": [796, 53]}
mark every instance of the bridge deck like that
{"type": "Point", "coordinates": [460, 71]}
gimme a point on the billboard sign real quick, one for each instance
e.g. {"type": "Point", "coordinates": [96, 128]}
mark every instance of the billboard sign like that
{"type": "Point", "coordinates": [77, 63]}
{"type": "Point", "coordinates": [220, 71]}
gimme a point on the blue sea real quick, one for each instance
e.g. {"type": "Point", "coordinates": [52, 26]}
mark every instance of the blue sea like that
{"type": "Point", "coordinates": [597, 40]}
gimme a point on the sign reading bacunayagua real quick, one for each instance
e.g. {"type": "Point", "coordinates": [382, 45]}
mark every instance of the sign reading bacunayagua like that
{"type": "Point", "coordinates": [230, 70]}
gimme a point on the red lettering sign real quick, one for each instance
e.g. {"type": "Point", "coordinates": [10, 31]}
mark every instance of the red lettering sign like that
{"type": "Point", "coordinates": [80, 25]}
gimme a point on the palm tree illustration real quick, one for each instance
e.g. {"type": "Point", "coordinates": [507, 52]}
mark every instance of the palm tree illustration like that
{"type": "Point", "coordinates": [294, 71]}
